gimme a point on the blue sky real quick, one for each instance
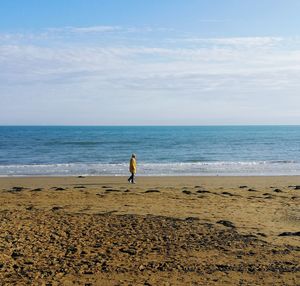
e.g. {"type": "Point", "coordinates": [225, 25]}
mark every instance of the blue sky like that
{"type": "Point", "coordinates": [153, 62]}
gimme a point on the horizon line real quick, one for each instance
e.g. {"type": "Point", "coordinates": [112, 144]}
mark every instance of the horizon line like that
{"type": "Point", "coordinates": [144, 125]}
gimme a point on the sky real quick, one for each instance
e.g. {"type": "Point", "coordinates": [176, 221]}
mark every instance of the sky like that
{"type": "Point", "coordinates": [142, 62]}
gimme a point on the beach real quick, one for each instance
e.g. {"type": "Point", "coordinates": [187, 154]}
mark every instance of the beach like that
{"type": "Point", "coordinates": [177, 230]}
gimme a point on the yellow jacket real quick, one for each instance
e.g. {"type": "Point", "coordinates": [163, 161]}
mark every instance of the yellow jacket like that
{"type": "Point", "coordinates": [132, 166]}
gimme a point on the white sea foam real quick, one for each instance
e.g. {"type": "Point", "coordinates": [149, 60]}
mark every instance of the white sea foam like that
{"type": "Point", "coordinates": [262, 168]}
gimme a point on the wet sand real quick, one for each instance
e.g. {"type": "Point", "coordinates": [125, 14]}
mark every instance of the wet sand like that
{"type": "Point", "coordinates": [160, 231]}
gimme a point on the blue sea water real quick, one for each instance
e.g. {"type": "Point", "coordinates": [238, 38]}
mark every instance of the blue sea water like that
{"type": "Point", "coordinates": [164, 150]}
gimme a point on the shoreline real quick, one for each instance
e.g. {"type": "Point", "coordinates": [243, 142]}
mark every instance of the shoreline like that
{"type": "Point", "coordinates": [150, 176]}
{"type": "Point", "coordinates": [144, 176]}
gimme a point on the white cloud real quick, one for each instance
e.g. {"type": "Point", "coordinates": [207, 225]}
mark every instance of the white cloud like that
{"type": "Point", "coordinates": [239, 42]}
{"type": "Point", "coordinates": [90, 29]}
{"type": "Point", "coordinates": [117, 68]}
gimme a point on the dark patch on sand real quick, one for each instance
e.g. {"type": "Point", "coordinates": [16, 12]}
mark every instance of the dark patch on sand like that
{"type": "Point", "coordinates": [297, 187]}
{"type": "Point", "coordinates": [226, 223]}
{"type": "Point", "coordinates": [191, 218]}
{"type": "Point", "coordinates": [16, 189]}
{"type": "Point", "coordinates": [261, 234]}
{"type": "Point", "coordinates": [112, 190]}
{"type": "Point", "coordinates": [152, 191]}
{"type": "Point", "coordinates": [37, 190]}
{"type": "Point", "coordinates": [202, 192]}
{"type": "Point", "coordinates": [58, 189]}
{"type": "Point", "coordinates": [227, 194]}
{"type": "Point", "coordinates": [269, 197]}
{"type": "Point", "coordinates": [56, 208]}
{"type": "Point", "coordinates": [287, 233]}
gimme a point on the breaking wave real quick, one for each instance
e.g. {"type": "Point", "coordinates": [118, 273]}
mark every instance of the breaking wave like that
{"type": "Point", "coordinates": [258, 168]}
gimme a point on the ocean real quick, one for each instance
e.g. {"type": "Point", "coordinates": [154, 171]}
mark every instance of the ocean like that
{"type": "Point", "coordinates": [160, 150]}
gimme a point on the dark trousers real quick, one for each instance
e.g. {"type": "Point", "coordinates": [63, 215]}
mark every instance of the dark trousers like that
{"type": "Point", "coordinates": [131, 178]}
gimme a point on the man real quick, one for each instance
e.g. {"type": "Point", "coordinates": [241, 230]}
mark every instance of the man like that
{"type": "Point", "coordinates": [132, 169]}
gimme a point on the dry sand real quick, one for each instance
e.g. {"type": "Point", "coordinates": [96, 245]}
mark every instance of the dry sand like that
{"type": "Point", "coordinates": [160, 231]}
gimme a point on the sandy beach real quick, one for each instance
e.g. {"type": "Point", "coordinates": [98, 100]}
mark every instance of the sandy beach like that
{"type": "Point", "coordinates": [160, 231]}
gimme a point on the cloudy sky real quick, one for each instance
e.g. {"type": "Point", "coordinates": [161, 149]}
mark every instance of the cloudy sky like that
{"type": "Point", "coordinates": [140, 62]}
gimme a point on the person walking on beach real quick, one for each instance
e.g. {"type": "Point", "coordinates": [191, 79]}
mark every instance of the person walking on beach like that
{"type": "Point", "coordinates": [132, 169]}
